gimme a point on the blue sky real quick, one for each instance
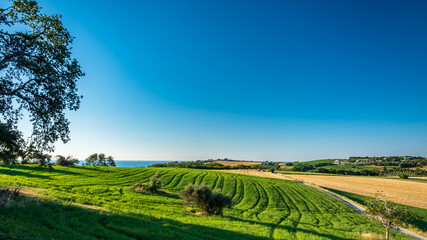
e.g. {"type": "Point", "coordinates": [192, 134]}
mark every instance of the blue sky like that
{"type": "Point", "coordinates": [258, 80]}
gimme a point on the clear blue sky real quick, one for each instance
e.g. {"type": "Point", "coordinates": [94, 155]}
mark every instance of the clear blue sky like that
{"type": "Point", "coordinates": [258, 80]}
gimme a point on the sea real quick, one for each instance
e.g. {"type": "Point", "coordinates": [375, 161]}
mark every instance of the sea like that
{"type": "Point", "coordinates": [133, 163]}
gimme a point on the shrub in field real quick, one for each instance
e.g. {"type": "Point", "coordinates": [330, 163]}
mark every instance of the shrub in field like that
{"type": "Point", "coordinates": [271, 170]}
{"type": "Point", "coordinates": [203, 198]}
{"type": "Point", "coordinates": [151, 187]}
{"type": "Point", "coordinates": [8, 194]}
{"type": "Point", "coordinates": [403, 175]}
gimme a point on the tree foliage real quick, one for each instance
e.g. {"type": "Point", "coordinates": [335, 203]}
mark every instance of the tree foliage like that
{"type": "Point", "coordinates": [203, 198]}
{"type": "Point", "coordinates": [34, 155]}
{"type": "Point", "coordinates": [38, 75]}
{"type": "Point", "coordinates": [100, 160]}
{"type": "Point", "coordinates": [66, 161]}
{"type": "Point", "coordinates": [388, 213]}
{"type": "Point", "coordinates": [11, 144]}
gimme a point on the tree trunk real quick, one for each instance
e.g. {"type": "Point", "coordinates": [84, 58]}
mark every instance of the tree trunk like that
{"type": "Point", "coordinates": [387, 229]}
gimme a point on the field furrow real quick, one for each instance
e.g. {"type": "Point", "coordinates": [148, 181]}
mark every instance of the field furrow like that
{"type": "Point", "coordinates": [220, 181]}
{"type": "Point", "coordinates": [284, 211]}
{"type": "Point", "coordinates": [240, 191]}
{"type": "Point", "coordinates": [229, 187]}
{"type": "Point", "coordinates": [177, 180]}
{"type": "Point", "coordinates": [199, 179]}
{"type": "Point", "coordinates": [168, 178]}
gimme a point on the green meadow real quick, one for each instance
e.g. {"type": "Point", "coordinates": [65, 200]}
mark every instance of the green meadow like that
{"type": "Point", "coordinates": [96, 203]}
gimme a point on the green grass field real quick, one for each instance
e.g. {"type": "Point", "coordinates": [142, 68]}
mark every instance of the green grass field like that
{"type": "Point", "coordinates": [262, 208]}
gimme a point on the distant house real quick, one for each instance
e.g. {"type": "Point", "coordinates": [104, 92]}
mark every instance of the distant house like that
{"type": "Point", "coordinates": [337, 162]}
{"type": "Point", "coordinates": [344, 163]}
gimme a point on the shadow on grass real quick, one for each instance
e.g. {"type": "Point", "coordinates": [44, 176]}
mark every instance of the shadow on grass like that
{"type": "Point", "coordinates": [22, 174]}
{"type": "Point", "coordinates": [35, 168]}
{"type": "Point", "coordinates": [291, 229]}
{"type": "Point", "coordinates": [27, 218]}
{"type": "Point", "coordinates": [163, 193]}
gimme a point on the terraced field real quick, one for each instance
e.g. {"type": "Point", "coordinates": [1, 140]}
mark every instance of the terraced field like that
{"type": "Point", "coordinates": [263, 208]}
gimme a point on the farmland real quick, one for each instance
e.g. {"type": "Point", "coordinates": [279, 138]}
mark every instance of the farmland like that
{"type": "Point", "coordinates": [95, 202]}
{"type": "Point", "coordinates": [412, 193]}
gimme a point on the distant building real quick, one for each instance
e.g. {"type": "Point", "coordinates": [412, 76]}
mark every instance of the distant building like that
{"type": "Point", "coordinates": [337, 162]}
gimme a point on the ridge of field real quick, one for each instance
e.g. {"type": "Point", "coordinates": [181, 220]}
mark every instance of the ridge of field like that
{"type": "Point", "coordinates": [237, 163]}
{"type": "Point", "coordinates": [263, 208]}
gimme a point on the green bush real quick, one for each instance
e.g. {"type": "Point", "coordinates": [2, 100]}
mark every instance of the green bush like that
{"type": "Point", "coordinates": [151, 187]}
{"type": "Point", "coordinates": [203, 198]}
{"type": "Point", "coordinates": [271, 170]}
{"type": "Point", "coordinates": [403, 175]}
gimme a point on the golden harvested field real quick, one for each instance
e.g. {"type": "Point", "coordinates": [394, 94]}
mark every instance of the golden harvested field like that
{"type": "Point", "coordinates": [236, 163]}
{"type": "Point", "coordinates": [423, 178]}
{"type": "Point", "coordinates": [405, 192]}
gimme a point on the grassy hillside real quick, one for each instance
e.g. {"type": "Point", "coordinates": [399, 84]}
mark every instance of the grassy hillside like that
{"type": "Point", "coordinates": [262, 208]}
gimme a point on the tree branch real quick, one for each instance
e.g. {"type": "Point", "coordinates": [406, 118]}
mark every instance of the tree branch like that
{"type": "Point", "coordinates": [15, 91]}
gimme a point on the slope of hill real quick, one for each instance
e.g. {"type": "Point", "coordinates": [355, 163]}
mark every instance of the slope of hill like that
{"type": "Point", "coordinates": [263, 208]}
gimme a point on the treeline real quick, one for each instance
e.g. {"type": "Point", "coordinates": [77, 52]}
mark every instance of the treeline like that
{"type": "Point", "coordinates": [401, 161]}
{"type": "Point", "coordinates": [375, 172]}
{"type": "Point", "coordinates": [403, 164]}
{"type": "Point", "coordinates": [301, 167]}
{"type": "Point", "coordinates": [389, 158]}
{"type": "Point", "coordinates": [363, 172]}
{"type": "Point", "coordinates": [196, 164]}
{"type": "Point", "coordinates": [209, 164]}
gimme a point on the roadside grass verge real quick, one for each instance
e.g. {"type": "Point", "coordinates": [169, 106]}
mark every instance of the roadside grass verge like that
{"type": "Point", "coordinates": [420, 223]}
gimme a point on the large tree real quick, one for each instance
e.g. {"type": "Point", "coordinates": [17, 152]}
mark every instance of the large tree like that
{"type": "Point", "coordinates": [38, 75]}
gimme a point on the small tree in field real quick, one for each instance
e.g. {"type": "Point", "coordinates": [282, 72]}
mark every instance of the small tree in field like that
{"type": "Point", "coordinates": [203, 198]}
{"type": "Point", "coordinates": [151, 187]}
{"type": "Point", "coordinates": [388, 213]}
